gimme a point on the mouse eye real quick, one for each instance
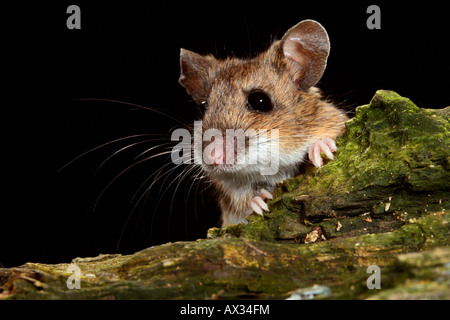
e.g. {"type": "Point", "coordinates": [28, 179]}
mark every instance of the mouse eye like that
{"type": "Point", "coordinates": [259, 101]}
{"type": "Point", "coordinates": [203, 105]}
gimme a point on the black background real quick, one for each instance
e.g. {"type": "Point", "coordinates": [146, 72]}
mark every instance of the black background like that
{"type": "Point", "coordinates": [129, 52]}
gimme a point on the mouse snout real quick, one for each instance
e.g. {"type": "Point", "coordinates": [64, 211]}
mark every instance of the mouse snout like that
{"type": "Point", "coordinates": [216, 156]}
{"type": "Point", "coordinates": [223, 150]}
{"type": "Point", "coordinates": [214, 152]}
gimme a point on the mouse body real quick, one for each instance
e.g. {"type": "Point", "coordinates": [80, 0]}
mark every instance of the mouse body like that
{"type": "Point", "coordinates": [259, 113]}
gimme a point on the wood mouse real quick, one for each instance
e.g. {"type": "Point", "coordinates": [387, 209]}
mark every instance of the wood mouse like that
{"type": "Point", "coordinates": [274, 90]}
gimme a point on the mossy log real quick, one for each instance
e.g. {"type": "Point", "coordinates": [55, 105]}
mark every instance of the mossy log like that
{"type": "Point", "coordinates": [383, 201]}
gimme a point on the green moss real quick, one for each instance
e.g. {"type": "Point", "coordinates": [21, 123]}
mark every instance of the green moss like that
{"type": "Point", "coordinates": [419, 275]}
{"type": "Point", "coordinates": [385, 195]}
{"type": "Point", "coordinates": [242, 268]}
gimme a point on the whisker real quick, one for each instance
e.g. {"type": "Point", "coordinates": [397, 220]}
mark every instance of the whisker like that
{"type": "Point", "coordinates": [157, 110]}
{"type": "Point", "coordinates": [160, 190]}
{"type": "Point", "coordinates": [127, 147]}
{"type": "Point", "coordinates": [187, 192]}
{"type": "Point", "coordinates": [104, 145]}
{"type": "Point", "coordinates": [194, 180]}
{"type": "Point", "coordinates": [156, 179]}
{"type": "Point", "coordinates": [157, 173]}
{"type": "Point", "coordinates": [168, 173]}
{"type": "Point", "coordinates": [180, 178]}
{"type": "Point", "coordinates": [146, 193]}
{"type": "Point", "coordinates": [123, 171]}
{"type": "Point", "coordinates": [154, 147]}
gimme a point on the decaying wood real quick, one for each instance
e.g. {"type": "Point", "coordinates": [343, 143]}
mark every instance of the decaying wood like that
{"type": "Point", "coordinates": [383, 201]}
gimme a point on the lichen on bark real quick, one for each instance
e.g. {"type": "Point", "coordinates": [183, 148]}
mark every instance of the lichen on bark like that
{"type": "Point", "coordinates": [392, 163]}
{"type": "Point", "coordinates": [383, 201]}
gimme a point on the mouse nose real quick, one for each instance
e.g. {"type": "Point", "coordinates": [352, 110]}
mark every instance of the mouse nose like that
{"type": "Point", "coordinates": [216, 157]}
{"type": "Point", "coordinates": [214, 152]}
{"type": "Point", "coordinates": [218, 151]}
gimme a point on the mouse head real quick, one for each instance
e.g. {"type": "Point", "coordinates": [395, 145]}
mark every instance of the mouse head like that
{"type": "Point", "coordinates": [269, 91]}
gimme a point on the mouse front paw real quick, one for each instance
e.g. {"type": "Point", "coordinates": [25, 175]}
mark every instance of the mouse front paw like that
{"type": "Point", "coordinates": [327, 146]}
{"type": "Point", "coordinates": [258, 203]}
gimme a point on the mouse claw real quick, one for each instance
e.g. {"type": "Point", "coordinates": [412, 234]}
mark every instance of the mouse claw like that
{"type": "Point", "coordinates": [256, 208]}
{"type": "Point", "coordinates": [265, 194]}
{"type": "Point", "coordinates": [258, 204]}
{"type": "Point", "coordinates": [327, 146]}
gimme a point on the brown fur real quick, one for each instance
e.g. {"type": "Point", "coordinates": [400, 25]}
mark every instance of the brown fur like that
{"type": "Point", "coordinates": [295, 111]}
{"type": "Point", "coordinates": [285, 72]}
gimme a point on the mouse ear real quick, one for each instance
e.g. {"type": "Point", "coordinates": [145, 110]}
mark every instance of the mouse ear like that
{"type": "Point", "coordinates": [195, 74]}
{"type": "Point", "coordinates": [306, 47]}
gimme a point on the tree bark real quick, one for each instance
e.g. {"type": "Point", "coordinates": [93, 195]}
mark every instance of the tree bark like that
{"type": "Point", "coordinates": [384, 201]}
